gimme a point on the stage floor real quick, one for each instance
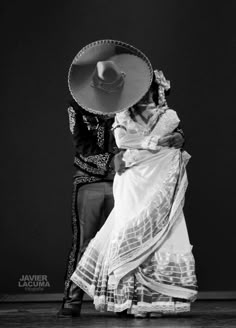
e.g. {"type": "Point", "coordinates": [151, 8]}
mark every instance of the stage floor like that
{"type": "Point", "coordinates": [34, 315]}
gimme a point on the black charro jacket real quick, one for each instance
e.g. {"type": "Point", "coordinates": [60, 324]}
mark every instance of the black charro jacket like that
{"type": "Point", "coordinates": [93, 140]}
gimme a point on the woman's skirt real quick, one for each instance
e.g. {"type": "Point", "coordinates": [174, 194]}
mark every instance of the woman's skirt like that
{"type": "Point", "coordinates": [141, 260]}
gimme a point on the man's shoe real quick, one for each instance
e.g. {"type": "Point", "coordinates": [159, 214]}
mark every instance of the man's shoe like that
{"type": "Point", "coordinates": [69, 312]}
{"type": "Point", "coordinates": [124, 314]}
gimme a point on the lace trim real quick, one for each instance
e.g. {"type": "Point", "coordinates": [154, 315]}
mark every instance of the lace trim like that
{"type": "Point", "coordinates": [72, 114]}
{"type": "Point", "coordinates": [105, 303]}
{"type": "Point", "coordinates": [175, 286]}
{"type": "Point", "coordinates": [158, 307]}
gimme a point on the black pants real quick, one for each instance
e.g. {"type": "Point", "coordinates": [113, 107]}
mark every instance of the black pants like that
{"type": "Point", "coordinates": [94, 204]}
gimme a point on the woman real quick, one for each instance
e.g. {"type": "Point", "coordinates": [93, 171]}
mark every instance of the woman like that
{"type": "Point", "coordinates": [141, 259]}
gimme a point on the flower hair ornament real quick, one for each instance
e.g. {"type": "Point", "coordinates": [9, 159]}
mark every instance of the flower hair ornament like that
{"type": "Point", "coordinates": [163, 85]}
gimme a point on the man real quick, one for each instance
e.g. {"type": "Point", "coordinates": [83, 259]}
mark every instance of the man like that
{"type": "Point", "coordinates": [97, 158]}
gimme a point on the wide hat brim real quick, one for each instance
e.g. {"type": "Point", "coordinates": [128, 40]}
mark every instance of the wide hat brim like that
{"type": "Point", "coordinates": [136, 66]}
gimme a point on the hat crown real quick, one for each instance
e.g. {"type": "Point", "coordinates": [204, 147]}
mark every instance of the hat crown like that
{"type": "Point", "coordinates": [108, 77]}
{"type": "Point", "coordinates": [108, 71]}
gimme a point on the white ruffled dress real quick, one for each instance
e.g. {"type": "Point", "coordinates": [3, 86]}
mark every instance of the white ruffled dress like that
{"type": "Point", "coordinates": [141, 259]}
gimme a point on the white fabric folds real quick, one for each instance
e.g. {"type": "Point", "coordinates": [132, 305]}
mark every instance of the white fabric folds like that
{"type": "Point", "coordinates": [141, 259]}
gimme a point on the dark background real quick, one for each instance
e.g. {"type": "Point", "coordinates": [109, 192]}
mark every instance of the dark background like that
{"type": "Point", "coordinates": [193, 42]}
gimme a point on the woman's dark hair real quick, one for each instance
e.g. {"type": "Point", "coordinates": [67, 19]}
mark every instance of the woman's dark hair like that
{"type": "Point", "coordinates": [154, 88]}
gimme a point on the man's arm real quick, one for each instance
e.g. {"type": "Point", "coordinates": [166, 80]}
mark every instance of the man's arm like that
{"type": "Point", "coordinates": [175, 139]}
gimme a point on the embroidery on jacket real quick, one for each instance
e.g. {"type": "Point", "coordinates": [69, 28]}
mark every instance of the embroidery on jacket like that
{"type": "Point", "coordinates": [72, 115]}
{"type": "Point", "coordinates": [100, 136]}
{"type": "Point", "coordinates": [91, 122]}
{"type": "Point", "coordinates": [99, 160]}
{"type": "Point", "coordinates": [88, 168]}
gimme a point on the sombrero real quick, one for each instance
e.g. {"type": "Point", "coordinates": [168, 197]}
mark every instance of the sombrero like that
{"type": "Point", "coordinates": [109, 76]}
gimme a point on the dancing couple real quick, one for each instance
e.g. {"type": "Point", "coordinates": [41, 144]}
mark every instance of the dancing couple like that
{"type": "Point", "coordinates": [140, 262]}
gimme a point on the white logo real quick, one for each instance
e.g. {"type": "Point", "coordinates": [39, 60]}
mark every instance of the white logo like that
{"type": "Point", "coordinates": [33, 283]}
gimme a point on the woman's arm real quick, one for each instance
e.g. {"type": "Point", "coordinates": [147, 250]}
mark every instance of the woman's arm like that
{"type": "Point", "coordinates": [127, 140]}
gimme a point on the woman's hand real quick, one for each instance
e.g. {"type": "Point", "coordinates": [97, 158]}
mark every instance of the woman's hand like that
{"type": "Point", "coordinates": [175, 140]}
